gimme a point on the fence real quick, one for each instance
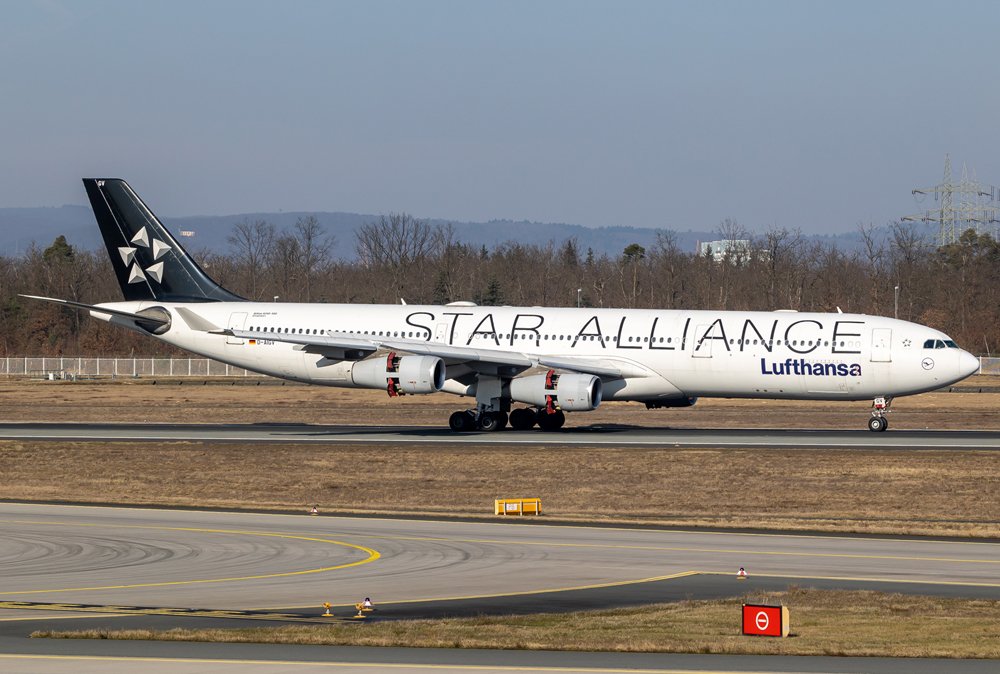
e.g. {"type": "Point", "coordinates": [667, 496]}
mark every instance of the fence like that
{"type": "Point", "coordinates": [989, 365]}
{"type": "Point", "coordinates": [63, 367]}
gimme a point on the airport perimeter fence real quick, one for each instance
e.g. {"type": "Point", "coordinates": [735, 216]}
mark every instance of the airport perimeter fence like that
{"type": "Point", "coordinates": [74, 368]}
{"type": "Point", "coordinates": [89, 368]}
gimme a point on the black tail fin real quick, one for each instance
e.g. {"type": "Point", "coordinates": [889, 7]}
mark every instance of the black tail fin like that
{"type": "Point", "coordinates": [148, 261]}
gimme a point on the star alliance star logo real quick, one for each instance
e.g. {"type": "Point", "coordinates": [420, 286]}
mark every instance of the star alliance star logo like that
{"type": "Point", "coordinates": [153, 271]}
{"type": "Point", "coordinates": [907, 343]}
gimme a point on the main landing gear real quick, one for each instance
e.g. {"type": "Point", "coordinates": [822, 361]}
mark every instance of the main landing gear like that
{"type": "Point", "coordinates": [468, 420]}
{"type": "Point", "coordinates": [493, 407]}
{"type": "Point", "coordinates": [879, 421]}
{"type": "Point", "coordinates": [547, 421]}
{"type": "Point", "coordinates": [521, 419]}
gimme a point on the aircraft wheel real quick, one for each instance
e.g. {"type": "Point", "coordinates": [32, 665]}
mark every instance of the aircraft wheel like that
{"type": "Point", "coordinates": [560, 419]}
{"type": "Point", "coordinates": [551, 422]}
{"type": "Point", "coordinates": [461, 421]}
{"type": "Point", "coordinates": [877, 424]}
{"type": "Point", "coordinates": [522, 419]}
{"type": "Point", "coordinates": [492, 421]}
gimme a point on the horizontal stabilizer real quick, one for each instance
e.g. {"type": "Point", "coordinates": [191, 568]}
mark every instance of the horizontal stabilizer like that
{"type": "Point", "coordinates": [143, 318]}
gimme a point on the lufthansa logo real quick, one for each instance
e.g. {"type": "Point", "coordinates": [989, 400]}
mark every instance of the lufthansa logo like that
{"type": "Point", "coordinates": [927, 363]}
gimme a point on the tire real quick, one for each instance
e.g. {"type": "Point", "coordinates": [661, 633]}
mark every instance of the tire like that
{"type": "Point", "coordinates": [522, 419]}
{"type": "Point", "coordinates": [885, 423]}
{"type": "Point", "coordinates": [560, 419]}
{"type": "Point", "coordinates": [877, 424]}
{"type": "Point", "coordinates": [460, 421]}
{"type": "Point", "coordinates": [551, 422]}
{"type": "Point", "coordinates": [489, 421]}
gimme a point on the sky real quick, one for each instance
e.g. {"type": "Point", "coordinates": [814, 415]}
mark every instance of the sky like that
{"type": "Point", "coordinates": [800, 114]}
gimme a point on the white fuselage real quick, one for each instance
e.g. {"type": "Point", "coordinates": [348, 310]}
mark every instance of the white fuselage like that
{"type": "Point", "coordinates": [673, 354]}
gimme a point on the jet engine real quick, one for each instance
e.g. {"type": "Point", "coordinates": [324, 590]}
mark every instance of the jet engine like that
{"type": "Point", "coordinates": [400, 375]}
{"type": "Point", "coordinates": [570, 392]}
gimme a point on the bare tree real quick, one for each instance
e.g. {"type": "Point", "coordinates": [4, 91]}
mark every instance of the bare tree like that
{"type": "Point", "coordinates": [253, 245]}
{"type": "Point", "coordinates": [778, 248]}
{"type": "Point", "coordinates": [285, 264]}
{"type": "Point", "coordinates": [314, 249]}
{"type": "Point", "coordinates": [394, 244]}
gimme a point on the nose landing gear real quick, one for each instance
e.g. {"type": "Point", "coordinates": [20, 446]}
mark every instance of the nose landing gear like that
{"type": "Point", "coordinates": [880, 408]}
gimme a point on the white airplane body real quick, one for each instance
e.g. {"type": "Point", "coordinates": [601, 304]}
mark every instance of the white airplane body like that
{"type": "Point", "coordinates": [552, 359]}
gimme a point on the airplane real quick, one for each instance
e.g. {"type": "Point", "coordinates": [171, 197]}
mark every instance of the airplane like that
{"type": "Point", "coordinates": [551, 360]}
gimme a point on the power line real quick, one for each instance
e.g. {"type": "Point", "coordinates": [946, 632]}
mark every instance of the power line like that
{"type": "Point", "coordinates": [967, 204]}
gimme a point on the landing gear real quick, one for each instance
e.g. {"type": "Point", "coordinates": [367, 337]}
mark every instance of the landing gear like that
{"type": "Point", "coordinates": [550, 422]}
{"type": "Point", "coordinates": [492, 421]}
{"type": "Point", "coordinates": [522, 419]}
{"type": "Point", "coordinates": [878, 424]}
{"type": "Point", "coordinates": [880, 408]}
{"type": "Point", "coordinates": [492, 411]}
{"type": "Point", "coordinates": [464, 420]}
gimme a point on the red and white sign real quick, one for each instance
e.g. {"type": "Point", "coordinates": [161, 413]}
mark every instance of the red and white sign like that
{"type": "Point", "coordinates": [765, 621]}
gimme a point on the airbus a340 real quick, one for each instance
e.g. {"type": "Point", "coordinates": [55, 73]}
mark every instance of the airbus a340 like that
{"type": "Point", "coordinates": [552, 360]}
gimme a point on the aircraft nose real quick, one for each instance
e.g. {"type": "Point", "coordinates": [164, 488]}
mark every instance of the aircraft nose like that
{"type": "Point", "coordinates": [968, 364]}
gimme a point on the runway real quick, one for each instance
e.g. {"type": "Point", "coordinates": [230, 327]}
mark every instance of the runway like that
{"type": "Point", "coordinates": [135, 567]}
{"type": "Point", "coordinates": [619, 436]}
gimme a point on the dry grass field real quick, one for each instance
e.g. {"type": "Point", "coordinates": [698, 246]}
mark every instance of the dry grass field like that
{"type": "Point", "coordinates": [822, 623]}
{"type": "Point", "coordinates": [878, 491]}
{"type": "Point", "coordinates": [944, 493]}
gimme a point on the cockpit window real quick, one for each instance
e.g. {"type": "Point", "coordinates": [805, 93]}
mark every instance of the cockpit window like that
{"type": "Point", "coordinates": [940, 344]}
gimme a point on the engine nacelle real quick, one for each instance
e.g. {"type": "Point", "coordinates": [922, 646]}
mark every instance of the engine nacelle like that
{"type": "Point", "coordinates": [570, 392]}
{"type": "Point", "coordinates": [400, 375]}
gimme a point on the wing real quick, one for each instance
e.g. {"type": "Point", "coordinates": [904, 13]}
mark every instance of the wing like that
{"type": "Point", "coordinates": [343, 346]}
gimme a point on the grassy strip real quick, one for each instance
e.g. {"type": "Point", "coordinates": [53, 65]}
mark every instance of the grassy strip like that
{"type": "Point", "coordinates": [871, 491]}
{"type": "Point", "coordinates": [823, 622]}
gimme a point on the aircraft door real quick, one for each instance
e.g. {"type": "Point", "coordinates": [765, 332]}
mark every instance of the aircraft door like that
{"type": "Point", "coordinates": [441, 333]}
{"type": "Point", "coordinates": [881, 343]}
{"type": "Point", "coordinates": [237, 321]}
{"type": "Point", "coordinates": [701, 347]}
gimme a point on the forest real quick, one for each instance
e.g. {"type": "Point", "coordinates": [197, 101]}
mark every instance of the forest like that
{"type": "Point", "coordinates": [953, 288]}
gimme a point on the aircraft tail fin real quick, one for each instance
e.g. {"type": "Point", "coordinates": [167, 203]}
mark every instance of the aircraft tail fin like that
{"type": "Point", "coordinates": [149, 262]}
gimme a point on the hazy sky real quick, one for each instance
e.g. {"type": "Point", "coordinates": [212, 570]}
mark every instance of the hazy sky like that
{"type": "Point", "coordinates": [805, 114]}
